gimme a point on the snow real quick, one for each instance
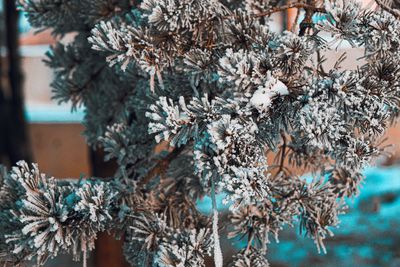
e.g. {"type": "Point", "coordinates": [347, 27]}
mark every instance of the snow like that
{"type": "Point", "coordinates": [262, 97]}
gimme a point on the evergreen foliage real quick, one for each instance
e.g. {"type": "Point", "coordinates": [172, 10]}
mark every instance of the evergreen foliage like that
{"type": "Point", "coordinates": [212, 81]}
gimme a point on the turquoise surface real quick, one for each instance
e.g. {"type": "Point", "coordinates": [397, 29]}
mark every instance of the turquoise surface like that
{"type": "Point", "coordinates": [53, 114]}
{"type": "Point", "coordinates": [369, 234]}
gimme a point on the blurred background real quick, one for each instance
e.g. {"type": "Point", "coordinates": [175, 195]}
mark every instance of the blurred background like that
{"type": "Point", "coordinates": [36, 129]}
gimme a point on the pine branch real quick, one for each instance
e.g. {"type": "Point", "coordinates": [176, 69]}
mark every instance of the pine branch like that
{"type": "Point", "coordinates": [385, 7]}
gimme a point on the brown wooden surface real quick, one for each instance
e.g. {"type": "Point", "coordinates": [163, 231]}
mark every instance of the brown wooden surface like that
{"type": "Point", "coordinates": [109, 252]}
{"type": "Point", "coordinates": [60, 149]}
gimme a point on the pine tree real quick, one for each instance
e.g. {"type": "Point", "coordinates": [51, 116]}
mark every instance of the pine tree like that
{"type": "Point", "coordinates": [213, 84]}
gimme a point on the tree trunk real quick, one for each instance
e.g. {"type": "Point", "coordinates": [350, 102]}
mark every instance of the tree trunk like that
{"type": "Point", "coordinates": [17, 143]}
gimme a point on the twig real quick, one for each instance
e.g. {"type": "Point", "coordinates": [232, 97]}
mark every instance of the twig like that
{"type": "Point", "coordinates": [320, 60]}
{"type": "Point", "coordinates": [161, 166]}
{"type": "Point", "coordinates": [283, 155]}
{"type": "Point", "coordinates": [307, 21]}
{"type": "Point", "coordinates": [291, 5]}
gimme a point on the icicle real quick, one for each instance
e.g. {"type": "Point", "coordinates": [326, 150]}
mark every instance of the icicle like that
{"type": "Point", "coordinates": [152, 85]}
{"type": "Point", "coordinates": [218, 259]}
{"type": "Point", "coordinates": [84, 250]}
{"type": "Point", "coordinates": [84, 259]}
{"type": "Point", "coordinates": [160, 79]}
